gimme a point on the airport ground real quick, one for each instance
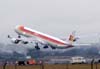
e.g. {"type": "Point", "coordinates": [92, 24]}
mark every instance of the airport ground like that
{"type": "Point", "coordinates": [53, 66]}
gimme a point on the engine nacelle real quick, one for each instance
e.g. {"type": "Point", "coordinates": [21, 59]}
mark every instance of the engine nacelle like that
{"type": "Point", "coordinates": [16, 41]}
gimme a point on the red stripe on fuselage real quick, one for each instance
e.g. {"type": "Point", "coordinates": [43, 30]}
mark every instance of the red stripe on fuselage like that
{"type": "Point", "coordinates": [40, 35]}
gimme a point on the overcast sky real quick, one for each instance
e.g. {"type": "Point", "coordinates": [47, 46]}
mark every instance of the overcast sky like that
{"type": "Point", "coordinates": [54, 17]}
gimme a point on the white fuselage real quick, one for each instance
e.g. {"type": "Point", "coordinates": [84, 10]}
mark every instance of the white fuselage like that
{"type": "Point", "coordinates": [44, 37]}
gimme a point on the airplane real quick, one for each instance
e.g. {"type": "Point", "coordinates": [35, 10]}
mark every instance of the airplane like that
{"type": "Point", "coordinates": [44, 39]}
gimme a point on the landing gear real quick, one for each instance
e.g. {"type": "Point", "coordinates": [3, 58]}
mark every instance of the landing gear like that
{"type": "Point", "coordinates": [48, 45]}
{"type": "Point", "coordinates": [45, 47]}
{"type": "Point", "coordinates": [17, 41]}
{"type": "Point", "coordinates": [25, 42]}
{"type": "Point", "coordinates": [37, 46]}
{"type": "Point", "coordinates": [53, 47]}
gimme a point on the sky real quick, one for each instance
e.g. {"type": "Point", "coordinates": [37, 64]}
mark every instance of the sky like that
{"type": "Point", "coordinates": [55, 17]}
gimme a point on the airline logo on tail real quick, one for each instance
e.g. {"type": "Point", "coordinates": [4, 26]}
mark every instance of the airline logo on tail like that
{"type": "Point", "coordinates": [72, 37]}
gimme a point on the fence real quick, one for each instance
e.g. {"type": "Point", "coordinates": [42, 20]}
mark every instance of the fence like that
{"type": "Point", "coordinates": [53, 66]}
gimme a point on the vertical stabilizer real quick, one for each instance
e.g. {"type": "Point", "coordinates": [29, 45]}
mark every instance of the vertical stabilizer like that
{"type": "Point", "coordinates": [72, 37]}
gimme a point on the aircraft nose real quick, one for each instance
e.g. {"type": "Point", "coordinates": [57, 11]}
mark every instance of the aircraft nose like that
{"type": "Point", "coordinates": [18, 27]}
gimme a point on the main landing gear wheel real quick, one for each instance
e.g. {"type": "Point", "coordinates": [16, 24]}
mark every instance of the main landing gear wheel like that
{"type": "Point", "coordinates": [37, 46]}
{"type": "Point", "coordinates": [45, 46]}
